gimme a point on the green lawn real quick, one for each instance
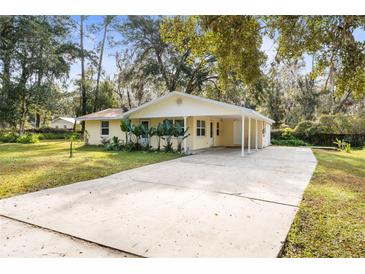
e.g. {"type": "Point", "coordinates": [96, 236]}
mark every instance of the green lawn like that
{"type": "Point", "coordinates": [31, 167]}
{"type": "Point", "coordinates": [331, 218]}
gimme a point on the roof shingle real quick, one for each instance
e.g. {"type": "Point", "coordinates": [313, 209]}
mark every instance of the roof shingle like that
{"type": "Point", "coordinates": [109, 113]}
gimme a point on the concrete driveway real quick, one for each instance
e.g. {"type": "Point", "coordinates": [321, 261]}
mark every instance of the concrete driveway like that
{"type": "Point", "coordinates": [213, 204]}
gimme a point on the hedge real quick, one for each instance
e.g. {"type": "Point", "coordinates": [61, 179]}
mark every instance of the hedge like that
{"type": "Point", "coordinates": [49, 130]}
{"type": "Point", "coordinates": [324, 139]}
{"type": "Point", "coordinates": [53, 133]}
{"type": "Point", "coordinates": [327, 139]}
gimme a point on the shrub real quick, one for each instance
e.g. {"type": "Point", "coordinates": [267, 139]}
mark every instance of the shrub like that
{"type": "Point", "coordinates": [114, 144]}
{"type": "Point", "coordinates": [342, 145]}
{"type": "Point", "coordinates": [129, 147]}
{"type": "Point", "coordinates": [28, 138]}
{"type": "Point", "coordinates": [54, 136]}
{"type": "Point", "coordinates": [48, 130]}
{"type": "Point", "coordinates": [289, 142]}
{"type": "Point", "coordinates": [348, 148]}
{"type": "Point", "coordinates": [8, 137]}
{"type": "Point", "coordinates": [286, 137]}
{"type": "Point", "coordinates": [287, 133]}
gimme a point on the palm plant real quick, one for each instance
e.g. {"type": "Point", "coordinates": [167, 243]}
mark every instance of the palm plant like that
{"type": "Point", "coordinates": [147, 133]}
{"type": "Point", "coordinates": [159, 132]}
{"type": "Point", "coordinates": [169, 132]}
{"type": "Point", "coordinates": [180, 134]}
{"type": "Point", "coordinates": [125, 126]}
{"type": "Point", "coordinates": [137, 131]}
{"type": "Point", "coordinates": [340, 144]}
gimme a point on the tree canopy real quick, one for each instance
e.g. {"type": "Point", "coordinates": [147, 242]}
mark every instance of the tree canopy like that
{"type": "Point", "coordinates": [314, 67]}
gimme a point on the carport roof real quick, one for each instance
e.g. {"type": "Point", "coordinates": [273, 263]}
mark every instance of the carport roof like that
{"type": "Point", "coordinates": [115, 114]}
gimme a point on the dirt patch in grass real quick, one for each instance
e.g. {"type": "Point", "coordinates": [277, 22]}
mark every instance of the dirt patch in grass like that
{"type": "Point", "coordinates": [32, 167]}
{"type": "Point", "coordinates": [331, 218]}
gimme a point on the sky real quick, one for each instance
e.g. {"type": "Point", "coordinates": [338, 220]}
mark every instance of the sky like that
{"type": "Point", "coordinates": [109, 65]}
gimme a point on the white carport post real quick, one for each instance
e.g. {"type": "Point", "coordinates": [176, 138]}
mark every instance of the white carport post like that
{"type": "Point", "coordinates": [243, 136]}
{"type": "Point", "coordinates": [249, 135]}
{"type": "Point", "coordinates": [257, 132]}
{"type": "Point", "coordinates": [185, 148]}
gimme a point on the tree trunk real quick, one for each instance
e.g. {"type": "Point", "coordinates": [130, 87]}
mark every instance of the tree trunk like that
{"type": "Point", "coordinates": [163, 71]}
{"type": "Point", "coordinates": [83, 88]}
{"type": "Point", "coordinates": [129, 99]}
{"type": "Point", "coordinates": [37, 120]}
{"type": "Point", "coordinates": [99, 65]}
{"type": "Point", "coordinates": [23, 115]}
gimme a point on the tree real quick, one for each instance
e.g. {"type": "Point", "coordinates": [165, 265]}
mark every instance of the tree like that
{"type": "Point", "coordinates": [40, 54]}
{"type": "Point", "coordinates": [339, 57]}
{"type": "Point", "coordinates": [206, 36]}
{"type": "Point", "coordinates": [107, 21]}
{"type": "Point", "coordinates": [133, 84]}
{"type": "Point", "coordinates": [82, 82]}
{"type": "Point", "coordinates": [160, 60]}
{"type": "Point", "coordinates": [8, 37]}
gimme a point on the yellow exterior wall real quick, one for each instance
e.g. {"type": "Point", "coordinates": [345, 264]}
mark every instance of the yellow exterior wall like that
{"type": "Point", "coordinates": [194, 142]}
{"type": "Point", "coordinates": [228, 133]}
{"type": "Point", "coordinates": [93, 129]}
{"type": "Point", "coordinates": [260, 141]}
{"type": "Point", "coordinates": [200, 142]}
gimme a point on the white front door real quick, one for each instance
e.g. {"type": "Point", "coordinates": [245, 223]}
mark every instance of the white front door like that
{"type": "Point", "coordinates": [211, 131]}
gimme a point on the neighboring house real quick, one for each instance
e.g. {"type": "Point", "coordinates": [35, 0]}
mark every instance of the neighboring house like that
{"type": "Point", "coordinates": [63, 123]}
{"type": "Point", "coordinates": [210, 123]}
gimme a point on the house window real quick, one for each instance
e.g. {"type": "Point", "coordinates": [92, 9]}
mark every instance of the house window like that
{"type": "Point", "coordinates": [217, 128]}
{"type": "Point", "coordinates": [104, 128]}
{"type": "Point", "coordinates": [181, 124]}
{"type": "Point", "coordinates": [65, 126]}
{"type": "Point", "coordinates": [145, 125]}
{"type": "Point", "coordinates": [171, 122]}
{"type": "Point", "coordinates": [200, 128]}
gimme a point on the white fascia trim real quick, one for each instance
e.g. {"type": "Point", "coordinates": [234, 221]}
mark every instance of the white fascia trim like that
{"type": "Point", "coordinates": [99, 119]}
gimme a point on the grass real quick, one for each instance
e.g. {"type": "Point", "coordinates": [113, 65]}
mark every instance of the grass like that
{"type": "Point", "coordinates": [30, 167]}
{"type": "Point", "coordinates": [331, 218]}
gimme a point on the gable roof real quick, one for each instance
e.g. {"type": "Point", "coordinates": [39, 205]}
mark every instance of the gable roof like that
{"type": "Point", "coordinates": [106, 114]}
{"type": "Point", "coordinates": [67, 119]}
{"type": "Point", "coordinates": [116, 114]}
{"type": "Point", "coordinates": [240, 109]}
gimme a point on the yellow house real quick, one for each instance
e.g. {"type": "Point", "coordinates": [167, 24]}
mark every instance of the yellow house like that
{"type": "Point", "coordinates": [210, 123]}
